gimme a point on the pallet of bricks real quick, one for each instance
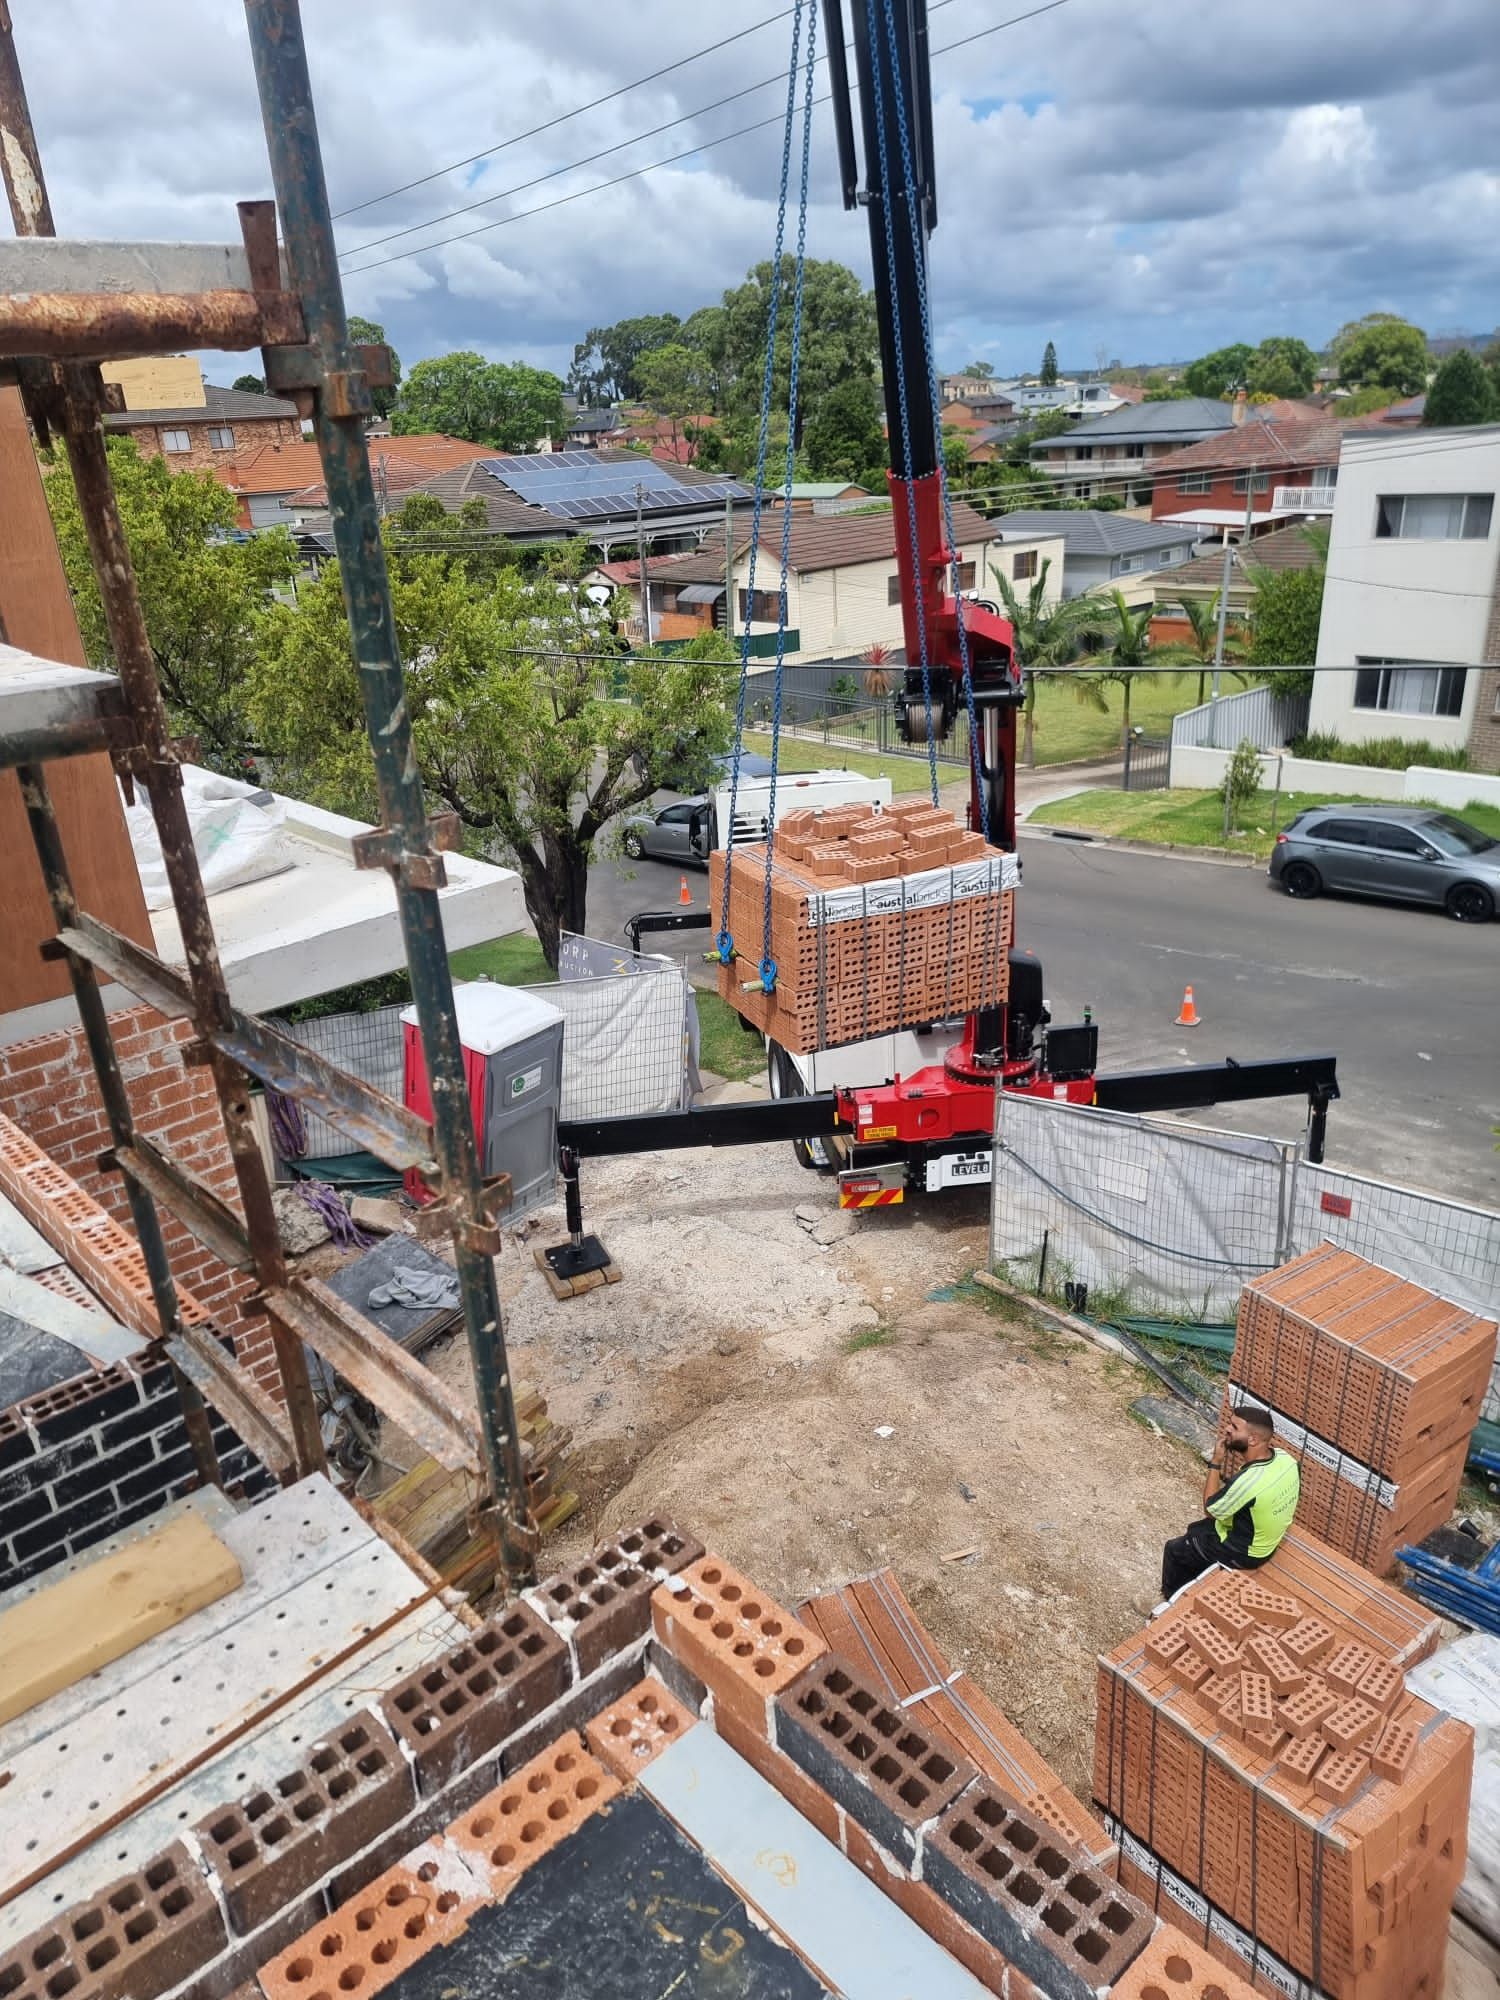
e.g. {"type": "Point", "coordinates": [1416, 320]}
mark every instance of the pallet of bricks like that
{"type": "Point", "coordinates": [1375, 1385]}
{"type": "Point", "coordinates": [1277, 1792]}
{"type": "Point", "coordinates": [881, 917]}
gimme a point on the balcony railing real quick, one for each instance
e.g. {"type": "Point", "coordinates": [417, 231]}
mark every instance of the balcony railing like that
{"type": "Point", "coordinates": [1305, 499]}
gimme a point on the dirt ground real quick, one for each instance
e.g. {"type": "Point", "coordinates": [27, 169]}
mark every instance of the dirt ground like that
{"type": "Point", "coordinates": [817, 1394]}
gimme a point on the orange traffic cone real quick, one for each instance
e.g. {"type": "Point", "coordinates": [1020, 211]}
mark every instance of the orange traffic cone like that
{"type": "Point", "coordinates": [682, 893]}
{"type": "Point", "coordinates": [1188, 1018]}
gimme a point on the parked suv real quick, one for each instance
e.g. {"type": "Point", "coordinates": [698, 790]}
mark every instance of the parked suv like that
{"type": "Point", "coordinates": [1411, 854]}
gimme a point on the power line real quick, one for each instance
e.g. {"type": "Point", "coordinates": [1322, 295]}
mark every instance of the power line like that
{"type": "Point", "coordinates": [671, 159]}
{"type": "Point", "coordinates": [562, 118]}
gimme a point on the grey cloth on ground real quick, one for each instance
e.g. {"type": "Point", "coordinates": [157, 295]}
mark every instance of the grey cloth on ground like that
{"type": "Point", "coordinates": [411, 1286]}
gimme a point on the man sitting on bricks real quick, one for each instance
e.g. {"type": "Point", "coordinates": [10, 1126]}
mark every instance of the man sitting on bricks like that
{"type": "Point", "coordinates": [1251, 1497]}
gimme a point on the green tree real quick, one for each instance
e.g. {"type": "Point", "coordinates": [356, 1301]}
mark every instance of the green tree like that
{"type": "Point", "coordinates": [1285, 612]}
{"type": "Point", "coordinates": [673, 383]}
{"type": "Point", "coordinates": [1050, 424]}
{"type": "Point", "coordinates": [1049, 365]}
{"type": "Point", "coordinates": [507, 405]}
{"type": "Point", "coordinates": [1217, 374]}
{"type": "Point", "coordinates": [1047, 636]}
{"type": "Point", "coordinates": [1361, 402]}
{"type": "Point", "coordinates": [844, 438]}
{"type": "Point", "coordinates": [839, 338]}
{"type": "Point", "coordinates": [604, 361]}
{"type": "Point", "coordinates": [422, 526]}
{"type": "Point", "coordinates": [201, 592]}
{"type": "Point", "coordinates": [1281, 366]}
{"type": "Point", "coordinates": [707, 332]}
{"type": "Point", "coordinates": [252, 385]}
{"type": "Point", "coordinates": [1122, 639]}
{"type": "Point", "coordinates": [1382, 352]}
{"type": "Point", "coordinates": [518, 726]}
{"type": "Point", "coordinates": [981, 369]}
{"type": "Point", "coordinates": [1491, 360]}
{"type": "Point", "coordinates": [1199, 648]}
{"type": "Point", "coordinates": [370, 333]}
{"type": "Point", "coordinates": [1462, 392]}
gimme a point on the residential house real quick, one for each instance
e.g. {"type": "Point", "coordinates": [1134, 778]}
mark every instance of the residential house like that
{"type": "Point", "coordinates": [676, 442]}
{"type": "Point", "coordinates": [203, 426]}
{"type": "Point", "coordinates": [1100, 549]}
{"type": "Point", "coordinates": [1411, 606]}
{"type": "Point", "coordinates": [964, 388]}
{"type": "Point", "coordinates": [588, 429]}
{"type": "Point", "coordinates": [556, 496]}
{"type": "Point", "coordinates": [992, 442]}
{"type": "Point", "coordinates": [1114, 453]}
{"type": "Point", "coordinates": [1287, 547]}
{"type": "Point", "coordinates": [824, 496]}
{"type": "Point", "coordinates": [843, 584]}
{"type": "Point", "coordinates": [1252, 477]}
{"type": "Point", "coordinates": [281, 485]}
{"type": "Point", "coordinates": [1073, 398]}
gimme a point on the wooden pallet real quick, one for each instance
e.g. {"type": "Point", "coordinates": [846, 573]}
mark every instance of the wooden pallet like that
{"type": "Point", "coordinates": [568, 1288]}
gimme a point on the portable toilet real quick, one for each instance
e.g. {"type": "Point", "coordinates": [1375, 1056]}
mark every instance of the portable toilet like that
{"type": "Point", "coordinates": [512, 1045]}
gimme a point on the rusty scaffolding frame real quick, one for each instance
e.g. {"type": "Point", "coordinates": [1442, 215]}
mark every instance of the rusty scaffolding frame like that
{"type": "Point", "coordinates": [64, 308]}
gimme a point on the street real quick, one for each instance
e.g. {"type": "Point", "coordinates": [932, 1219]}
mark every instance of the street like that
{"type": "Point", "coordinates": [1404, 998]}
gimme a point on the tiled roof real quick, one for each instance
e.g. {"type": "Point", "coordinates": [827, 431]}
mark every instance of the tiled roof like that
{"type": "Point", "coordinates": [818, 542]}
{"type": "Point", "coordinates": [1309, 439]}
{"type": "Point", "coordinates": [1283, 548]}
{"type": "Point", "coordinates": [1092, 531]}
{"type": "Point", "coordinates": [219, 406]}
{"type": "Point", "coordinates": [1182, 421]}
{"type": "Point", "coordinates": [405, 462]}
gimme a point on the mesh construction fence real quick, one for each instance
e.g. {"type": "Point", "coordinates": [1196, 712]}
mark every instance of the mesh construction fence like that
{"type": "Point", "coordinates": [1159, 1218]}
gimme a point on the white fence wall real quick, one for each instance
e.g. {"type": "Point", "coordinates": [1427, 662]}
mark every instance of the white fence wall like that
{"type": "Point", "coordinates": [1197, 768]}
{"type": "Point", "coordinates": [1269, 720]}
{"type": "Point", "coordinates": [1156, 1217]}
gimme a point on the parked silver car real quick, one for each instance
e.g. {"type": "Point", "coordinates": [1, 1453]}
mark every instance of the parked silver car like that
{"type": "Point", "coordinates": [1411, 854]}
{"type": "Point", "coordinates": [679, 832]}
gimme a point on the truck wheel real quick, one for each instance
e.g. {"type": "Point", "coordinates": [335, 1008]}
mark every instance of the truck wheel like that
{"type": "Point", "coordinates": [786, 1081]}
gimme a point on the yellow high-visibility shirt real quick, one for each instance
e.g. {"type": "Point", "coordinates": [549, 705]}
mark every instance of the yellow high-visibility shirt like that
{"type": "Point", "coordinates": [1255, 1509]}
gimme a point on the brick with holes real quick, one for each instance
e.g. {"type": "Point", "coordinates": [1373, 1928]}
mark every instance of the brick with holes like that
{"type": "Point", "coordinates": [1257, 1704]}
{"type": "Point", "coordinates": [603, 1603]}
{"type": "Point", "coordinates": [1394, 1749]}
{"type": "Point", "coordinates": [1341, 1774]}
{"type": "Point", "coordinates": [739, 1642]}
{"type": "Point", "coordinates": [1221, 1652]}
{"type": "Point", "coordinates": [1265, 1653]}
{"type": "Point", "coordinates": [1308, 1641]}
{"type": "Point", "coordinates": [1303, 1755]}
{"type": "Point", "coordinates": [457, 1708]}
{"type": "Point", "coordinates": [1065, 1925]}
{"type": "Point", "coordinates": [1382, 1685]}
{"type": "Point", "coordinates": [512, 1827]}
{"type": "Point", "coordinates": [1347, 1726]}
{"type": "Point", "coordinates": [888, 1773]}
{"type": "Point", "coordinates": [278, 1840]}
{"type": "Point", "coordinates": [377, 1935]}
{"type": "Point", "coordinates": [137, 1937]}
{"type": "Point", "coordinates": [1172, 1967]}
{"type": "Point", "coordinates": [1347, 1666]}
{"type": "Point", "coordinates": [1303, 1712]}
{"type": "Point", "coordinates": [633, 1731]}
{"type": "Point", "coordinates": [1270, 1607]}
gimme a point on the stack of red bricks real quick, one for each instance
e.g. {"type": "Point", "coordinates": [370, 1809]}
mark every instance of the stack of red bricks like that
{"type": "Point", "coordinates": [1277, 1792]}
{"type": "Point", "coordinates": [880, 918]}
{"type": "Point", "coordinates": [1376, 1386]}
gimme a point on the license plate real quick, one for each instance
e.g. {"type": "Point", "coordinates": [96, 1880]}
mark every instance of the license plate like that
{"type": "Point", "coordinates": [961, 1170]}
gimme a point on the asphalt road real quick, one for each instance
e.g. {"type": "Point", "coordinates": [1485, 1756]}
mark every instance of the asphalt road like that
{"type": "Point", "coordinates": [1406, 999]}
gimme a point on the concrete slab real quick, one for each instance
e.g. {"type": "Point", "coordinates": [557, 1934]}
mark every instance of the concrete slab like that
{"type": "Point", "coordinates": [855, 1939]}
{"type": "Point", "coordinates": [316, 1577]}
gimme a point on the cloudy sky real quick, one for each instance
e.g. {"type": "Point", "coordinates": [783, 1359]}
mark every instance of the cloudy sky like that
{"type": "Point", "coordinates": [1141, 179]}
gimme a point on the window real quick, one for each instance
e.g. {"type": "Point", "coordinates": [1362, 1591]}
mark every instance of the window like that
{"type": "Point", "coordinates": [1128, 563]}
{"type": "Point", "coordinates": [1023, 565]}
{"type": "Point", "coordinates": [1348, 832]}
{"type": "Point", "coordinates": [220, 437]}
{"type": "Point", "coordinates": [1262, 482]}
{"type": "Point", "coordinates": [966, 576]}
{"type": "Point", "coordinates": [766, 609]}
{"type": "Point", "coordinates": [176, 441]}
{"type": "Point", "coordinates": [1397, 839]}
{"type": "Point", "coordinates": [1135, 451]}
{"type": "Point", "coordinates": [1434, 517]}
{"type": "Point", "coordinates": [1456, 836]}
{"type": "Point", "coordinates": [1084, 451]}
{"type": "Point", "coordinates": [1192, 482]}
{"type": "Point", "coordinates": [1409, 690]}
{"type": "Point", "coordinates": [676, 816]}
{"type": "Point", "coordinates": [893, 590]}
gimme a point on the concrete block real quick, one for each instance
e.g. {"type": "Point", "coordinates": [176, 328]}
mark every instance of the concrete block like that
{"type": "Point", "coordinates": [137, 1937]}
{"type": "Point", "coordinates": [603, 1604]}
{"type": "Point", "coordinates": [457, 1708]}
{"type": "Point", "coordinates": [280, 1839]}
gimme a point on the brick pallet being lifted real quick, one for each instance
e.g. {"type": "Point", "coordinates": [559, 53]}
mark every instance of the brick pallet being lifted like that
{"type": "Point", "coordinates": [1376, 1385]}
{"type": "Point", "coordinates": [879, 920]}
{"type": "Point", "coordinates": [1278, 1794]}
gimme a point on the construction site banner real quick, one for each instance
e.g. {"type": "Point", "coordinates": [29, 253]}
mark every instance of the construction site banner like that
{"type": "Point", "coordinates": [1160, 1218]}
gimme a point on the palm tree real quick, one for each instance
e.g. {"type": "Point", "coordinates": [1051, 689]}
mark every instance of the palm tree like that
{"type": "Point", "coordinates": [1124, 635]}
{"type": "Point", "coordinates": [1046, 635]}
{"type": "Point", "coordinates": [1202, 615]}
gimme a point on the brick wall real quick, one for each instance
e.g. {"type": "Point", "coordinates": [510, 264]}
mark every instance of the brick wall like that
{"type": "Point", "coordinates": [47, 1086]}
{"type": "Point", "coordinates": [87, 1458]}
{"type": "Point", "coordinates": [201, 456]}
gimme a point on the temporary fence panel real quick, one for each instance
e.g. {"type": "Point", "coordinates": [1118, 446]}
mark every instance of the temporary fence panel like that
{"type": "Point", "coordinates": [1162, 1218]}
{"type": "Point", "coordinates": [1149, 1217]}
{"type": "Point", "coordinates": [581, 957]}
{"type": "Point", "coordinates": [1269, 720]}
{"type": "Point", "coordinates": [624, 1046]}
{"type": "Point", "coordinates": [369, 1047]}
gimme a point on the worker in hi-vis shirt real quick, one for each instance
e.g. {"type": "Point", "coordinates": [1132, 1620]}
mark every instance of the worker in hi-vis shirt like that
{"type": "Point", "coordinates": [1251, 1498]}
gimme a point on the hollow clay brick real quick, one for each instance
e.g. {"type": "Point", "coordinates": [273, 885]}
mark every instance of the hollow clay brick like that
{"type": "Point", "coordinates": [1347, 1666]}
{"type": "Point", "coordinates": [1257, 1704]}
{"type": "Point", "coordinates": [548, 1799]}
{"type": "Point", "coordinates": [633, 1731]}
{"type": "Point", "coordinates": [278, 1840]}
{"type": "Point", "coordinates": [369, 1941]}
{"type": "Point", "coordinates": [1394, 1749]}
{"type": "Point", "coordinates": [1349, 1724]}
{"type": "Point", "coordinates": [1221, 1652]}
{"type": "Point", "coordinates": [1341, 1774]}
{"type": "Point", "coordinates": [739, 1642]}
{"type": "Point", "coordinates": [1308, 1641]}
{"type": "Point", "coordinates": [1382, 1684]}
{"type": "Point", "coordinates": [888, 1773]}
{"type": "Point", "coordinates": [1304, 1711]}
{"type": "Point", "coordinates": [1165, 1640]}
{"type": "Point", "coordinates": [457, 1708]}
{"type": "Point", "coordinates": [1172, 1967]}
{"type": "Point", "coordinates": [1270, 1607]}
{"type": "Point", "coordinates": [1191, 1668]}
{"type": "Point", "coordinates": [1265, 1652]}
{"type": "Point", "coordinates": [138, 1936]}
{"type": "Point", "coordinates": [1303, 1755]}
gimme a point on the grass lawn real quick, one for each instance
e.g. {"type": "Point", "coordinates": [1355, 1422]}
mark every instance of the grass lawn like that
{"type": "Point", "coordinates": [907, 774]}
{"type": "Point", "coordinates": [510, 961]}
{"type": "Point", "coordinates": [1196, 819]}
{"type": "Point", "coordinates": [723, 1045]}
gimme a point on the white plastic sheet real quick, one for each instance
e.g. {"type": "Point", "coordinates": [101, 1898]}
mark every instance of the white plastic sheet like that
{"type": "Point", "coordinates": [237, 835]}
{"type": "Point", "coordinates": [1464, 1679]}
